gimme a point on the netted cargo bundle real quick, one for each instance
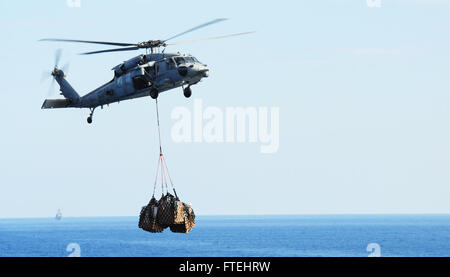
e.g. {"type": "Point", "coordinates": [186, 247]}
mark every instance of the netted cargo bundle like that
{"type": "Point", "coordinates": [166, 210]}
{"type": "Point", "coordinates": [179, 212]}
{"type": "Point", "coordinates": [147, 218]}
{"type": "Point", "coordinates": [188, 221]}
{"type": "Point", "coordinates": [170, 211]}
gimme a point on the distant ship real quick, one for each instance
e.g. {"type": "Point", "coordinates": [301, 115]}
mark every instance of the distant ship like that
{"type": "Point", "coordinates": [58, 215]}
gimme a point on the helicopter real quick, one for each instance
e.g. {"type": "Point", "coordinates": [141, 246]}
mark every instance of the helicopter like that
{"type": "Point", "coordinates": [144, 75]}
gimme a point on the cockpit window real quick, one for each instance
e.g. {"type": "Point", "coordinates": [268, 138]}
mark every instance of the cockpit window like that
{"type": "Point", "coordinates": [189, 60]}
{"type": "Point", "coordinates": [179, 60]}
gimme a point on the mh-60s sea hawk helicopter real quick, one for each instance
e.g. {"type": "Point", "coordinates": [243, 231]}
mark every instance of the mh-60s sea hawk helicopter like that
{"type": "Point", "coordinates": [143, 75]}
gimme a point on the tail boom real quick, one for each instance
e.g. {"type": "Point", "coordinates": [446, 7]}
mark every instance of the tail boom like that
{"type": "Point", "coordinates": [66, 89]}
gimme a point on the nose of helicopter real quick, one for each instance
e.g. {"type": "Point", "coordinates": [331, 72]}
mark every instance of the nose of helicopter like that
{"type": "Point", "coordinates": [205, 72]}
{"type": "Point", "coordinates": [202, 70]}
{"type": "Point", "coordinates": [193, 71]}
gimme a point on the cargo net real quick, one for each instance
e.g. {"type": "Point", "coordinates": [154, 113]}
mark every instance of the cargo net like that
{"type": "Point", "coordinates": [168, 211]}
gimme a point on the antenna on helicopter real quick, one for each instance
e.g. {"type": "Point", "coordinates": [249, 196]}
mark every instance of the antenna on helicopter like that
{"type": "Point", "coordinates": [150, 44]}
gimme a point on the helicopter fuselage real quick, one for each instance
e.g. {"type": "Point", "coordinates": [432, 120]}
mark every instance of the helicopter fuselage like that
{"type": "Point", "coordinates": [144, 74]}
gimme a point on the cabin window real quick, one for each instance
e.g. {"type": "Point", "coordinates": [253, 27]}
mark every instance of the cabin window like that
{"type": "Point", "coordinates": [140, 82]}
{"type": "Point", "coordinates": [179, 60]}
{"type": "Point", "coordinates": [170, 63]}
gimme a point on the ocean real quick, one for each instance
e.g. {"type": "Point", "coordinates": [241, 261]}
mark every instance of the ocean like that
{"type": "Point", "coordinates": [236, 236]}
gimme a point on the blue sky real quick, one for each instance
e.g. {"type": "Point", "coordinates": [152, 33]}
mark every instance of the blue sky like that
{"type": "Point", "coordinates": [363, 95]}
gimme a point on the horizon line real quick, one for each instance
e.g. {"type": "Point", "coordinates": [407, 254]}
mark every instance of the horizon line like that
{"type": "Point", "coordinates": [243, 215]}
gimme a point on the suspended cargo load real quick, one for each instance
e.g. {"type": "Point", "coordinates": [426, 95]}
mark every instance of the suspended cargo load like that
{"type": "Point", "coordinates": [187, 223]}
{"type": "Point", "coordinates": [168, 211]}
{"type": "Point", "coordinates": [147, 219]}
{"type": "Point", "coordinates": [179, 212]}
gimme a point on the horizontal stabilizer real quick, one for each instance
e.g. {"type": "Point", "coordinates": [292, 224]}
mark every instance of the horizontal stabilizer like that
{"type": "Point", "coordinates": [56, 103]}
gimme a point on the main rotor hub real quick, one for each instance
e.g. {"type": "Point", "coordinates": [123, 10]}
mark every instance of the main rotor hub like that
{"type": "Point", "coordinates": [152, 44]}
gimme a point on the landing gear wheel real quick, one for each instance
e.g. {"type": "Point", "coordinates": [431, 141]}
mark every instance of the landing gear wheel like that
{"type": "Point", "coordinates": [187, 92]}
{"type": "Point", "coordinates": [154, 93]}
{"type": "Point", "coordinates": [91, 115]}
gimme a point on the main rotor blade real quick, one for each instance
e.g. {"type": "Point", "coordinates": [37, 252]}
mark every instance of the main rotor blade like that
{"type": "Point", "coordinates": [212, 38]}
{"type": "Point", "coordinates": [89, 41]}
{"type": "Point", "coordinates": [111, 50]}
{"type": "Point", "coordinates": [198, 27]}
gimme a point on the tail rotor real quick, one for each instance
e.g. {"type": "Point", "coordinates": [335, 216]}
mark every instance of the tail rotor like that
{"type": "Point", "coordinates": [56, 72]}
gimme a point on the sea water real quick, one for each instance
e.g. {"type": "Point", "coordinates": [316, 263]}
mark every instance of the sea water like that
{"type": "Point", "coordinates": [241, 236]}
